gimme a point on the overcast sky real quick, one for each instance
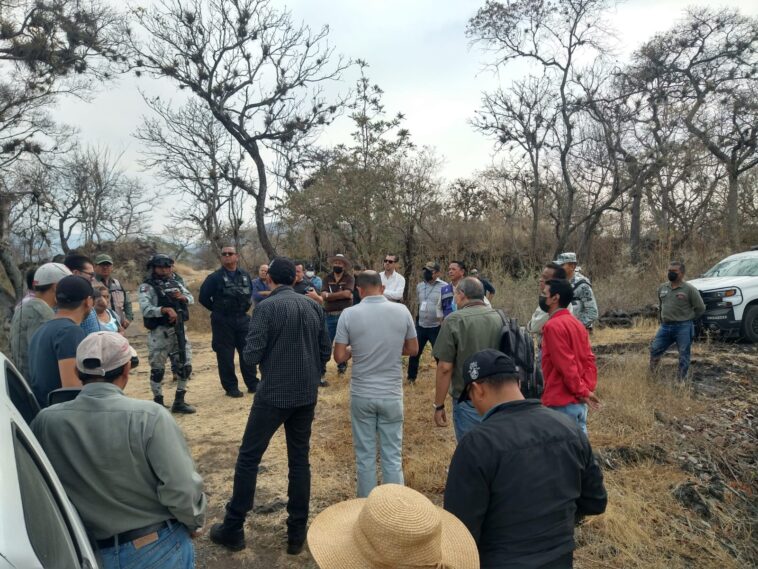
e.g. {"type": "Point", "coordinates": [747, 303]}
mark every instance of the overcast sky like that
{"type": "Point", "coordinates": [418, 53]}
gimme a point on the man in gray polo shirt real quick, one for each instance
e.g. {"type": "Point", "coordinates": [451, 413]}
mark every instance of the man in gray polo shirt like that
{"type": "Point", "coordinates": [376, 333]}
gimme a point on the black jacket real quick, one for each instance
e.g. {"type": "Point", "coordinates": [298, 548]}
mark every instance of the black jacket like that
{"type": "Point", "coordinates": [235, 299]}
{"type": "Point", "coordinates": [518, 481]}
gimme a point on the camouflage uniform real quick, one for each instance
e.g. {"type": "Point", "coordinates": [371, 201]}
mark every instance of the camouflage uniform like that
{"type": "Point", "coordinates": [162, 342]}
{"type": "Point", "coordinates": [584, 304]}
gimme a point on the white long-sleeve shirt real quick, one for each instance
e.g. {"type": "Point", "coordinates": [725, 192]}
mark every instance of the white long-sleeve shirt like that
{"type": "Point", "coordinates": [394, 285]}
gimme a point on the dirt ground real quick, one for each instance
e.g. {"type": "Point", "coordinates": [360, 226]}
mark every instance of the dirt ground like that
{"type": "Point", "coordinates": [680, 461]}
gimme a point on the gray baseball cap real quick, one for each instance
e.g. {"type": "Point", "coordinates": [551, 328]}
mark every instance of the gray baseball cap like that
{"type": "Point", "coordinates": [50, 273]}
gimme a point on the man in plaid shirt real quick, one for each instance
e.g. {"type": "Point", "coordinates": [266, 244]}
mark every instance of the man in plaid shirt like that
{"type": "Point", "coordinates": [289, 339]}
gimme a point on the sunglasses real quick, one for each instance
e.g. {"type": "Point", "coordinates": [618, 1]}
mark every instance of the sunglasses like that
{"type": "Point", "coordinates": [228, 254]}
{"type": "Point", "coordinates": [389, 261]}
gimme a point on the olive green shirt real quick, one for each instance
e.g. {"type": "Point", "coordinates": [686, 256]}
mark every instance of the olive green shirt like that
{"type": "Point", "coordinates": [680, 304]}
{"type": "Point", "coordinates": [463, 333]}
{"type": "Point", "coordinates": [123, 462]}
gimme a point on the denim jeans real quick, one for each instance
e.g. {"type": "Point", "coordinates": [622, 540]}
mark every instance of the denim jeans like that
{"type": "Point", "coordinates": [331, 325]}
{"type": "Point", "coordinates": [680, 333]}
{"type": "Point", "coordinates": [577, 411]}
{"type": "Point", "coordinates": [263, 422]}
{"type": "Point", "coordinates": [465, 418]}
{"type": "Point", "coordinates": [230, 334]}
{"type": "Point", "coordinates": [173, 550]}
{"type": "Point", "coordinates": [423, 335]}
{"type": "Point", "coordinates": [370, 417]}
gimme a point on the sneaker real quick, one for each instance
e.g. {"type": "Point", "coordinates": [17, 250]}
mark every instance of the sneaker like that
{"type": "Point", "coordinates": [236, 393]}
{"type": "Point", "coordinates": [233, 540]}
{"type": "Point", "coordinates": [323, 383]}
{"type": "Point", "coordinates": [294, 548]}
{"type": "Point", "coordinates": [341, 370]}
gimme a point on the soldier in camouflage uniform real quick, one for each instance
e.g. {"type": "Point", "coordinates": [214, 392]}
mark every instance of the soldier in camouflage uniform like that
{"type": "Point", "coordinates": [584, 305]}
{"type": "Point", "coordinates": [160, 296]}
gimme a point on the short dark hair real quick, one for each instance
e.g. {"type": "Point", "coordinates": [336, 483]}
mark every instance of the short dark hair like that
{"type": "Point", "coordinates": [43, 288]}
{"type": "Point", "coordinates": [679, 264]}
{"type": "Point", "coordinates": [395, 257]}
{"type": "Point", "coordinates": [30, 277]}
{"type": "Point", "coordinates": [563, 289]}
{"type": "Point", "coordinates": [558, 271]}
{"type": "Point", "coordinates": [76, 262]}
{"type": "Point", "coordinates": [367, 279]}
{"type": "Point", "coordinates": [462, 265]}
{"type": "Point", "coordinates": [282, 271]}
{"type": "Point", "coordinates": [109, 376]}
{"type": "Point", "coordinates": [497, 380]}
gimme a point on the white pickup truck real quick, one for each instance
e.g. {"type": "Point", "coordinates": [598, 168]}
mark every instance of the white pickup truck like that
{"type": "Point", "coordinates": [39, 527]}
{"type": "Point", "coordinates": [730, 292]}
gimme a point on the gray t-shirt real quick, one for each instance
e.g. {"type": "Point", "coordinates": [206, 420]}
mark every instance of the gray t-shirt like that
{"type": "Point", "coordinates": [428, 294]}
{"type": "Point", "coordinates": [27, 318]}
{"type": "Point", "coordinates": [376, 330]}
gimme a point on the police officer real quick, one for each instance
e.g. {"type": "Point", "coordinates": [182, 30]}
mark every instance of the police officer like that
{"type": "Point", "coordinates": [163, 299]}
{"type": "Point", "coordinates": [227, 294]}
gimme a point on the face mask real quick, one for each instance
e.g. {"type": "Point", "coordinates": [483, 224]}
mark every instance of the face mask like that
{"type": "Point", "coordinates": [672, 276]}
{"type": "Point", "coordinates": [309, 274]}
{"type": "Point", "coordinates": [428, 275]}
{"type": "Point", "coordinates": [337, 270]}
{"type": "Point", "coordinates": [543, 304]}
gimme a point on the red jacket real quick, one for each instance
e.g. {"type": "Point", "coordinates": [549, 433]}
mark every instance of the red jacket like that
{"type": "Point", "coordinates": [568, 364]}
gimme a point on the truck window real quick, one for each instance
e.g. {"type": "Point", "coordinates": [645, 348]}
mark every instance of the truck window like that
{"type": "Point", "coordinates": [20, 395]}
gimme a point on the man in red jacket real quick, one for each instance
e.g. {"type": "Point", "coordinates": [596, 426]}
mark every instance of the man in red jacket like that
{"type": "Point", "coordinates": [568, 363]}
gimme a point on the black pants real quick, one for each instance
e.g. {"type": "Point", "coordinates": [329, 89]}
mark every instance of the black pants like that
{"type": "Point", "coordinates": [424, 335]}
{"type": "Point", "coordinates": [229, 334]}
{"type": "Point", "coordinates": [263, 422]}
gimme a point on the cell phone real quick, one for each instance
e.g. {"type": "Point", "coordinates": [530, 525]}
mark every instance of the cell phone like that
{"type": "Point", "coordinates": [310, 289]}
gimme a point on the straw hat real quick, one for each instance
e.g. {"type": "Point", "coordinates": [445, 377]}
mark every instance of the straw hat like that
{"type": "Point", "coordinates": [340, 257]}
{"type": "Point", "coordinates": [394, 528]}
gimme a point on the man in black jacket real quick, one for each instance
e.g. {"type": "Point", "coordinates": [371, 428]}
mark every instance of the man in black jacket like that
{"type": "Point", "coordinates": [521, 478]}
{"type": "Point", "coordinates": [227, 293]}
{"type": "Point", "coordinates": [289, 339]}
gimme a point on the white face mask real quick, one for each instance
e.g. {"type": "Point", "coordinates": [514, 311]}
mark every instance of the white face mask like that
{"type": "Point", "coordinates": [309, 274]}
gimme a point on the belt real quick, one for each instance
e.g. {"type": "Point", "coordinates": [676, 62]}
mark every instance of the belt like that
{"type": "Point", "coordinates": [133, 534]}
{"type": "Point", "coordinates": [676, 321]}
{"type": "Point", "coordinates": [334, 313]}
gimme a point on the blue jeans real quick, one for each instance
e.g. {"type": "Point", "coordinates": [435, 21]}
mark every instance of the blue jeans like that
{"type": "Point", "coordinates": [172, 550]}
{"type": "Point", "coordinates": [577, 411]}
{"type": "Point", "coordinates": [331, 325]}
{"type": "Point", "coordinates": [680, 333]}
{"type": "Point", "coordinates": [369, 417]}
{"type": "Point", "coordinates": [465, 418]}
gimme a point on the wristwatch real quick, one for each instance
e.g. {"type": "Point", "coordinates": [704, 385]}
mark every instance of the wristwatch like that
{"type": "Point", "coordinates": [439, 407]}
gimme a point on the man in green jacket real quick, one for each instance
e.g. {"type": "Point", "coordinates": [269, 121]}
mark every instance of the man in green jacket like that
{"type": "Point", "coordinates": [680, 305]}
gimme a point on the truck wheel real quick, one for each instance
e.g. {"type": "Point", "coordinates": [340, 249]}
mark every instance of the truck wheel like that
{"type": "Point", "coordinates": [750, 324]}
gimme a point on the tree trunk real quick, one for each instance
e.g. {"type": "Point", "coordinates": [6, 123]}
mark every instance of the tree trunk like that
{"type": "Point", "coordinates": [260, 202]}
{"type": "Point", "coordinates": [635, 226]}
{"type": "Point", "coordinates": [733, 210]}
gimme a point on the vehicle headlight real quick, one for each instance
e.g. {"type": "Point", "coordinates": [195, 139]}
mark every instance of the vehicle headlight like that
{"type": "Point", "coordinates": [729, 296]}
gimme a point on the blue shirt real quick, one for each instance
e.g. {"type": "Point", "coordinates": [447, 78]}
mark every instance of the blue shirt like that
{"type": "Point", "coordinates": [55, 340]}
{"type": "Point", "coordinates": [258, 286]}
{"type": "Point", "coordinates": [91, 323]}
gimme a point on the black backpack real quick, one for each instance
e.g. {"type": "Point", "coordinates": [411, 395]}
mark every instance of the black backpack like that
{"type": "Point", "coordinates": [517, 343]}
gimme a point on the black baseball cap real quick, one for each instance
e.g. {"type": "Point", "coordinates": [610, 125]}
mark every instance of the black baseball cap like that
{"type": "Point", "coordinates": [73, 288]}
{"type": "Point", "coordinates": [483, 364]}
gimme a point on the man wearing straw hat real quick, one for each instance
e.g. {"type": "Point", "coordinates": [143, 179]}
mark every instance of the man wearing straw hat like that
{"type": "Point", "coordinates": [395, 527]}
{"type": "Point", "coordinates": [523, 476]}
{"type": "Point", "coordinates": [337, 295]}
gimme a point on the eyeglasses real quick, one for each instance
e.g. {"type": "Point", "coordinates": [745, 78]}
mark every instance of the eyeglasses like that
{"type": "Point", "coordinates": [227, 254]}
{"type": "Point", "coordinates": [85, 274]}
{"type": "Point", "coordinates": [389, 261]}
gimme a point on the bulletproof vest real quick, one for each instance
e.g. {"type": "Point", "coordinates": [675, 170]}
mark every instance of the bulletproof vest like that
{"type": "Point", "coordinates": [162, 288]}
{"type": "Point", "coordinates": [236, 294]}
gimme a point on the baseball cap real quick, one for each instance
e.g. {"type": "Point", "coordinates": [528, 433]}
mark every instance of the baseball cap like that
{"type": "Point", "coordinates": [103, 258]}
{"type": "Point", "coordinates": [484, 364]}
{"type": "Point", "coordinates": [101, 352]}
{"type": "Point", "coordinates": [50, 273]}
{"type": "Point", "coordinates": [432, 266]}
{"type": "Point", "coordinates": [73, 288]}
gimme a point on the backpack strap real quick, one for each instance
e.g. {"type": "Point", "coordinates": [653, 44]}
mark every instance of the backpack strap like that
{"type": "Point", "coordinates": [580, 282]}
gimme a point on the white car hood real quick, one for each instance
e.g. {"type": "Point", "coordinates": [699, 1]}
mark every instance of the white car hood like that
{"type": "Point", "coordinates": [715, 283]}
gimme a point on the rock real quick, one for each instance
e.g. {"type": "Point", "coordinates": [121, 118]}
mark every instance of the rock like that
{"type": "Point", "coordinates": [690, 497]}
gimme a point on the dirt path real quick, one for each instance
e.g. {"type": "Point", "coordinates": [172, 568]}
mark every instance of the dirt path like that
{"type": "Point", "coordinates": [680, 463]}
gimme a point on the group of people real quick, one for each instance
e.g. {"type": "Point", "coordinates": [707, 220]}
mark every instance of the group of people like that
{"type": "Point", "coordinates": [509, 447]}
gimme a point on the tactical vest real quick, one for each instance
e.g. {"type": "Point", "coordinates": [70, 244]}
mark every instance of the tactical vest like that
{"type": "Point", "coordinates": [160, 287]}
{"type": "Point", "coordinates": [235, 297]}
{"type": "Point", "coordinates": [118, 297]}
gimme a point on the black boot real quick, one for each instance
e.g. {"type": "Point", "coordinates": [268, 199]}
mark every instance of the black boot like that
{"type": "Point", "coordinates": [229, 538]}
{"type": "Point", "coordinates": [159, 400]}
{"type": "Point", "coordinates": [180, 406]}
